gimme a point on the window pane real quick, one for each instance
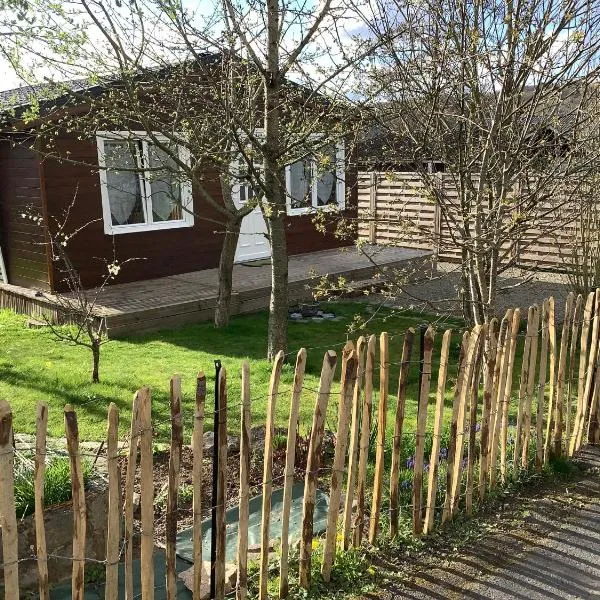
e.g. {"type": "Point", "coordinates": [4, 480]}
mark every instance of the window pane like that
{"type": "Point", "coordinates": [326, 178]}
{"type": "Point", "coordinates": [124, 193]}
{"type": "Point", "coordinates": [300, 184]}
{"type": "Point", "coordinates": [165, 188]}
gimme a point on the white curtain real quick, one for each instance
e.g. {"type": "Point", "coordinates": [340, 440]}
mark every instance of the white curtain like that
{"type": "Point", "coordinates": [326, 192]}
{"type": "Point", "coordinates": [124, 192]}
{"type": "Point", "coordinates": [326, 189]}
{"type": "Point", "coordinates": [300, 184]}
{"type": "Point", "coordinates": [165, 189]}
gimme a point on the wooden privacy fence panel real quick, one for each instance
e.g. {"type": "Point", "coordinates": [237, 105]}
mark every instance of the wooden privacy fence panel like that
{"type": "Point", "coordinates": [395, 208]}
{"type": "Point", "coordinates": [445, 461]}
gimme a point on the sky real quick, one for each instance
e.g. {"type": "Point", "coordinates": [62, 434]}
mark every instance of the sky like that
{"type": "Point", "coordinates": [203, 9]}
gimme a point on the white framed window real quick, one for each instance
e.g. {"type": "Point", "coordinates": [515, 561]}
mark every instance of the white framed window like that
{"type": "Point", "coordinates": [140, 186]}
{"type": "Point", "coordinates": [317, 182]}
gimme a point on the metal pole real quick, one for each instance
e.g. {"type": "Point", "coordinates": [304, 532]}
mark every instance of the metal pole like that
{"type": "Point", "coordinates": [215, 472]}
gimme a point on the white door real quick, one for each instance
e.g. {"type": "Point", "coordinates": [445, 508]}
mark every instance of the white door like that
{"type": "Point", "coordinates": [252, 244]}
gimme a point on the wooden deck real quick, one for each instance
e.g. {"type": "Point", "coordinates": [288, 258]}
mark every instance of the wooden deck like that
{"type": "Point", "coordinates": [168, 302]}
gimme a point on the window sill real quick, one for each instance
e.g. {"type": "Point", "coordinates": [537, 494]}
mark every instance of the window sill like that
{"type": "Point", "coordinates": [145, 227]}
{"type": "Point", "coordinates": [296, 212]}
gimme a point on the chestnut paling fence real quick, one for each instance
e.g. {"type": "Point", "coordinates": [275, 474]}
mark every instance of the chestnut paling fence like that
{"type": "Point", "coordinates": [517, 399]}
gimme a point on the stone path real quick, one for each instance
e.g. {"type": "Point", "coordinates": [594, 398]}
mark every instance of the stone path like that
{"type": "Point", "coordinates": [438, 292]}
{"type": "Point", "coordinates": [553, 554]}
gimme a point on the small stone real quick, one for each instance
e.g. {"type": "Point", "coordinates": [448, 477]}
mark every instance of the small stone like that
{"type": "Point", "coordinates": [295, 316]}
{"type": "Point", "coordinates": [233, 443]}
{"type": "Point", "coordinates": [319, 313]}
{"type": "Point", "coordinates": [209, 442]}
{"type": "Point", "coordinates": [230, 578]}
{"type": "Point", "coordinates": [328, 316]}
{"type": "Point", "coordinates": [136, 503]}
{"type": "Point", "coordinates": [35, 324]}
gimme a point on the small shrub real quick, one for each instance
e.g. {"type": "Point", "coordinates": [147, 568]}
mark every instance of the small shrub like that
{"type": "Point", "coordinates": [57, 482]}
{"type": "Point", "coordinates": [279, 441]}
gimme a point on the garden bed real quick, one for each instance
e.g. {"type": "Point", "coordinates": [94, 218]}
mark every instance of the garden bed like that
{"type": "Point", "coordinates": [185, 513]}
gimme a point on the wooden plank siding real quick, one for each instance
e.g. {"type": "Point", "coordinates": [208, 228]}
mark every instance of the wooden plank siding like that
{"type": "Point", "coordinates": [163, 252]}
{"type": "Point", "coordinates": [402, 215]}
{"type": "Point", "coordinates": [23, 242]}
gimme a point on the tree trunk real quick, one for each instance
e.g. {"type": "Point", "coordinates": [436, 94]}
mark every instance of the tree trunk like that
{"type": "Point", "coordinates": [95, 361]}
{"type": "Point", "coordinates": [275, 199]}
{"type": "Point", "coordinates": [278, 308]}
{"type": "Point", "coordinates": [230, 241]}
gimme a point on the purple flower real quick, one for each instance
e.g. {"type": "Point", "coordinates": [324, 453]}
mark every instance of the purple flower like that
{"type": "Point", "coordinates": [463, 463]}
{"type": "Point", "coordinates": [443, 453]}
{"type": "Point", "coordinates": [426, 467]}
{"type": "Point", "coordinates": [406, 484]}
{"type": "Point", "coordinates": [410, 463]}
{"type": "Point", "coordinates": [477, 427]}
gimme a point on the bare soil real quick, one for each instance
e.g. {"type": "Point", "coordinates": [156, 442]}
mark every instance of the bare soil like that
{"type": "Point", "coordinates": [184, 513]}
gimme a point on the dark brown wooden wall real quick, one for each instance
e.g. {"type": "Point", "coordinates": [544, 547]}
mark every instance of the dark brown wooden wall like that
{"type": "Point", "coordinates": [161, 253]}
{"type": "Point", "coordinates": [23, 241]}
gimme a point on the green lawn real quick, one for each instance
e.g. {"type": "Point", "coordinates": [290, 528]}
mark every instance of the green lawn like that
{"type": "Point", "coordinates": [34, 366]}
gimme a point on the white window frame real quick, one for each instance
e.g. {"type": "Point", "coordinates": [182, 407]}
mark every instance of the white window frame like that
{"type": "Point", "coordinates": [187, 219]}
{"type": "Point", "coordinates": [340, 160]}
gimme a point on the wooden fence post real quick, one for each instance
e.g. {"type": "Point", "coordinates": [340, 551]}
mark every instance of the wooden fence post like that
{"type": "Point", "coordinates": [220, 509]}
{"type": "Point", "coordinates": [417, 516]}
{"type": "Point", "coordinates": [173, 486]}
{"type": "Point", "coordinates": [552, 375]}
{"type": "Point", "coordinates": [8, 515]}
{"type": "Point", "coordinates": [592, 360]}
{"type": "Point", "coordinates": [473, 396]}
{"type": "Point", "coordinates": [539, 419]}
{"type": "Point", "coordinates": [407, 346]}
{"type": "Point", "coordinates": [78, 495]}
{"type": "Point", "coordinates": [312, 466]}
{"type": "Point", "coordinates": [290, 463]}
{"type": "Point", "coordinates": [577, 315]}
{"type": "Point", "coordinates": [491, 349]}
{"type": "Point", "coordinates": [267, 487]}
{"type": "Point", "coordinates": [348, 381]}
{"type": "Point", "coordinates": [560, 378]}
{"type": "Point", "coordinates": [354, 440]}
{"type": "Point", "coordinates": [516, 321]}
{"type": "Point", "coordinates": [134, 440]}
{"type": "Point", "coordinates": [530, 387]}
{"type": "Point", "coordinates": [373, 208]}
{"type": "Point", "coordinates": [523, 381]}
{"type": "Point", "coordinates": [244, 495]}
{"type": "Point", "coordinates": [500, 374]}
{"type": "Point", "coordinates": [590, 421]}
{"type": "Point", "coordinates": [437, 434]}
{"type": "Point", "coordinates": [41, 429]}
{"type": "Point", "coordinates": [460, 421]}
{"type": "Point", "coordinates": [462, 359]}
{"type": "Point", "coordinates": [113, 522]}
{"type": "Point", "coordinates": [365, 432]}
{"type": "Point", "coordinates": [198, 447]}
{"type": "Point", "coordinates": [381, 425]}
{"type": "Point", "coordinates": [583, 365]}
{"type": "Point", "coordinates": [146, 495]}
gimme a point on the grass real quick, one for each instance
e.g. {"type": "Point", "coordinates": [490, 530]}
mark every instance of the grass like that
{"type": "Point", "coordinates": [57, 482]}
{"type": "Point", "coordinates": [34, 366]}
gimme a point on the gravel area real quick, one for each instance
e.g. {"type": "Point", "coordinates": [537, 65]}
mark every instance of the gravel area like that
{"type": "Point", "coordinates": [439, 291]}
